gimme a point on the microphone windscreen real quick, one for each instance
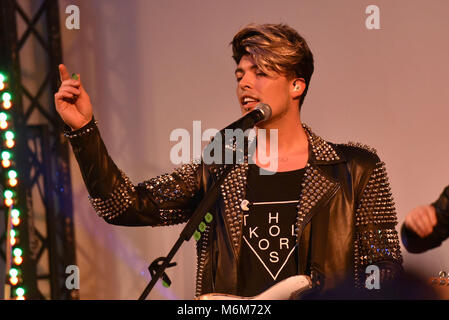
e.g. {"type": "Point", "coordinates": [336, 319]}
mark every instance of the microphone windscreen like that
{"type": "Point", "coordinates": [266, 110]}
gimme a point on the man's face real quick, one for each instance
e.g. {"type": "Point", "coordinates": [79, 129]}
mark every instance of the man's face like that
{"type": "Point", "coordinates": [254, 86]}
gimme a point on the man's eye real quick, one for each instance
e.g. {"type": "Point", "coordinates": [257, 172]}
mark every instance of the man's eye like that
{"type": "Point", "coordinates": [238, 79]}
{"type": "Point", "coordinates": [260, 74]}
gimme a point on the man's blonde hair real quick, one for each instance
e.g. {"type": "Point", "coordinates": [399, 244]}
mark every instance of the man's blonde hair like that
{"type": "Point", "coordinates": [275, 48]}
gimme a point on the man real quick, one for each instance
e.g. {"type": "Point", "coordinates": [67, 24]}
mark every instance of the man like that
{"type": "Point", "coordinates": [427, 226]}
{"type": "Point", "coordinates": [326, 211]}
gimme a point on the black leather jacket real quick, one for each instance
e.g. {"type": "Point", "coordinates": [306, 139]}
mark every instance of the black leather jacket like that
{"type": "Point", "coordinates": [414, 243]}
{"type": "Point", "coordinates": [346, 216]}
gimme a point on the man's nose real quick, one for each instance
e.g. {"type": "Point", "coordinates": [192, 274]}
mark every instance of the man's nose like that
{"type": "Point", "coordinates": [246, 82]}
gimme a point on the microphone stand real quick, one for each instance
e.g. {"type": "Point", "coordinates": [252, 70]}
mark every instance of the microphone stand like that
{"type": "Point", "coordinates": [158, 266]}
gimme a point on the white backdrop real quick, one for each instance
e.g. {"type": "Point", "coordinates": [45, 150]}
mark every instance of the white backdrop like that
{"type": "Point", "coordinates": [154, 66]}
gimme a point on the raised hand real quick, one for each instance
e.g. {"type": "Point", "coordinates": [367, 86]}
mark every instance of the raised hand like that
{"type": "Point", "coordinates": [72, 101]}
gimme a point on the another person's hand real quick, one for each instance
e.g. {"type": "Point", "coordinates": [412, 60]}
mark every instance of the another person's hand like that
{"type": "Point", "coordinates": [421, 220]}
{"type": "Point", "coordinates": [72, 101]}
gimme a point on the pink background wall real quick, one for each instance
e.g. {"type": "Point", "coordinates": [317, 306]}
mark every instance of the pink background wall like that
{"type": "Point", "coordinates": [154, 66]}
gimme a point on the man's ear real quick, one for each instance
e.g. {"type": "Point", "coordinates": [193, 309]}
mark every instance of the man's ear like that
{"type": "Point", "coordinates": [298, 86]}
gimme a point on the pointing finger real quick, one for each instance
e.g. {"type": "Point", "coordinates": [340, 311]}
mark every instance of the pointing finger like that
{"type": "Point", "coordinates": [63, 73]}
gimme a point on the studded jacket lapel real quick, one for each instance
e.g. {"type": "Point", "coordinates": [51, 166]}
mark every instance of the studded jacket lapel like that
{"type": "Point", "coordinates": [233, 191]}
{"type": "Point", "coordinates": [317, 189]}
{"type": "Point", "coordinates": [316, 185]}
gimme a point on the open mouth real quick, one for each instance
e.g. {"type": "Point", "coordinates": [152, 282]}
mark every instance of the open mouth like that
{"type": "Point", "coordinates": [249, 102]}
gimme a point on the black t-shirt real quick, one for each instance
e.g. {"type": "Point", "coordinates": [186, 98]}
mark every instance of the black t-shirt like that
{"type": "Point", "coordinates": [269, 245]}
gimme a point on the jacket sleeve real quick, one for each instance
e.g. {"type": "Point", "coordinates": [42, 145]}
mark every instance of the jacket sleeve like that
{"type": "Point", "coordinates": [376, 240]}
{"type": "Point", "coordinates": [414, 243]}
{"type": "Point", "coordinates": [163, 200]}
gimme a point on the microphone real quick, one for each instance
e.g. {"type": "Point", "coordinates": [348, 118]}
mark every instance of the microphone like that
{"type": "Point", "coordinates": [262, 112]}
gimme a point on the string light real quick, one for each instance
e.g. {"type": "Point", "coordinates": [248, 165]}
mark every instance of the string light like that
{"type": "Point", "coordinates": [18, 260]}
{"type": "Point", "coordinates": [14, 280]}
{"type": "Point", "coordinates": [15, 221]}
{"type": "Point", "coordinates": [13, 237]}
{"type": "Point", "coordinates": [2, 81]}
{"type": "Point", "coordinates": [8, 194]}
{"type": "Point", "coordinates": [6, 156]}
{"type": "Point", "coordinates": [10, 143]}
{"type": "Point", "coordinates": [6, 96]}
{"type": "Point", "coordinates": [7, 105]}
{"type": "Point", "coordinates": [12, 179]}
{"type": "Point", "coordinates": [9, 135]}
{"type": "Point", "coordinates": [12, 174]}
{"type": "Point", "coordinates": [15, 213]}
{"type": "Point", "coordinates": [17, 252]}
{"type": "Point", "coordinates": [13, 272]}
{"type": "Point", "coordinates": [20, 292]}
{"type": "Point", "coordinates": [3, 120]}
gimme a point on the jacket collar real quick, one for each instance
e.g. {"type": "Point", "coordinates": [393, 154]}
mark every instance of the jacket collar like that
{"type": "Point", "coordinates": [321, 151]}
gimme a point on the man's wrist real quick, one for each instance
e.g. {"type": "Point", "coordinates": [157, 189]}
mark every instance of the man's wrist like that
{"type": "Point", "coordinates": [86, 129]}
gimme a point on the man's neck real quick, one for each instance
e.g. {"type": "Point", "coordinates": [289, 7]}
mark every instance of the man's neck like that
{"type": "Point", "coordinates": [292, 145]}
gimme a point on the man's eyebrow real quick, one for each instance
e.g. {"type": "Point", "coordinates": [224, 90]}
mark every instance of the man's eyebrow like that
{"type": "Point", "coordinates": [254, 66]}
